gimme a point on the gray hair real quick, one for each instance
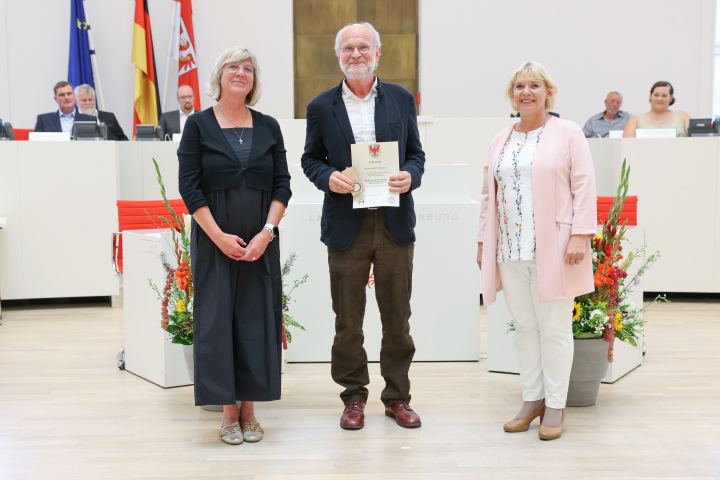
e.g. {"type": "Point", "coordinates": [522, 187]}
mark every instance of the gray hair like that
{"type": "Point", "coordinates": [84, 88]}
{"type": "Point", "coordinates": [234, 54]}
{"type": "Point", "coordinates": [616, 92]}
{"type": "Point", "coordinates": [375, 33]}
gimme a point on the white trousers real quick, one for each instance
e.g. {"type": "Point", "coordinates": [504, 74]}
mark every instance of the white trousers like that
{"type": "Point", "coordinates": [543, 335]}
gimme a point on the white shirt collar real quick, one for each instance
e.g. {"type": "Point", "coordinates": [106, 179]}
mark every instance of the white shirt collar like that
{"type": "Point", "coordinates": [183, 113]}
{"type": "Point", "coordinates": [71, 114]}
{"type": "Point", "coordinates": [349, 94]}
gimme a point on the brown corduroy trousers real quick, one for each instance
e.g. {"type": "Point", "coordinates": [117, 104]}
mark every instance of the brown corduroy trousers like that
{"type": "Point", "coordinates": [392, 272]}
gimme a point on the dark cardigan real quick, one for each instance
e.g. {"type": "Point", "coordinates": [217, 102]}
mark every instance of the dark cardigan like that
{"type": "Point", "coordinates": [208, 162]}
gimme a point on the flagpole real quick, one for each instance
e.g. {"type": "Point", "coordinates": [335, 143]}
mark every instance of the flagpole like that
{"type": "Point", "coordinates": [93, 60]}
{"type": "Point", "coordinates": [98, 88]}
{"type": "Point", "coordinates": [170, 47]}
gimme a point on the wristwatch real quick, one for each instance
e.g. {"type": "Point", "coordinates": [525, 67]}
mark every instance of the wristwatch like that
{"type": "Point", "coordinates": [272, 229]}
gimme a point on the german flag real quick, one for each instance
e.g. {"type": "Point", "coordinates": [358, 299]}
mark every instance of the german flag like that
{"type": "Point", "coordinates": [147, 99]}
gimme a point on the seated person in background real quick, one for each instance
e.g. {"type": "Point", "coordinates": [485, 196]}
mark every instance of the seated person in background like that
{"type": "Point", "coordinates": [85, 95]}
{"type": "Point", "coordinates": [599, 126]}
{"type": "Point", "coordinates": [174, 122]}
{"type": "Point", "coordinates": [64, 119]}
{"type": "Point", "coordinates": [659, 116]}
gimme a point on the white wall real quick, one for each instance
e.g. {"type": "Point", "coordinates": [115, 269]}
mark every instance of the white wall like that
{"type": "Point", "coordinates": [468, 49]}
{"type": "Point", "coordinates": [37, 35]}
{"type": "Point", "coordinates": [590, 48]}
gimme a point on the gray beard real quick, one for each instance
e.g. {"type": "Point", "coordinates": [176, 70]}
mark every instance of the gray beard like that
{"type": "Point", "coordinates": [355, 75]}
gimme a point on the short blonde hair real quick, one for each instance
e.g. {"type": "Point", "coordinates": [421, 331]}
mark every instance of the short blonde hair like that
{"type": "Point", "coordinates": [538, 72]}
{"type": "Point", "coordinates": [235, 54]}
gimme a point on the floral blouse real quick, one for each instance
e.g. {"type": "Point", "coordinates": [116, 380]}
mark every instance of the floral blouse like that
{"type": "Point", "coordinates": [514, 201]}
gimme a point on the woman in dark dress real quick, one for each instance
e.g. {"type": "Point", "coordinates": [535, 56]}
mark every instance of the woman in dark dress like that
{"type": "Point", "coordinates": [235, 182]}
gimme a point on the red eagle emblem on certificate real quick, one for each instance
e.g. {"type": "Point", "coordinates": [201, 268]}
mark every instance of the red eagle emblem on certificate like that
{"type": "Point", "coordinates": [374, 150]}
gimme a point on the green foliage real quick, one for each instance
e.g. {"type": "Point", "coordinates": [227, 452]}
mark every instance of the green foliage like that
{"type": "Point", "coordinates": [288, 321]}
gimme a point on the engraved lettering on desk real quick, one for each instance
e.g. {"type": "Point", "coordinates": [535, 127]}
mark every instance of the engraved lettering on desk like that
{"type": "Point", "coordinates": [316, 219]}
{"type": "Point", "coordinates": [438, 217]}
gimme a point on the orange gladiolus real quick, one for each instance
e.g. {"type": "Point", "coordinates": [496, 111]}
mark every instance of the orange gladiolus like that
{"type": "Point", "coordinates": [598, 277]}
{"type": "Point", "coordinates": [601, 275]}
{"type": "Point", "coordinates": [181, 278]}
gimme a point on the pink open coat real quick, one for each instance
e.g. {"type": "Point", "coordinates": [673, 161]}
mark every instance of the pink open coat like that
{"type": "Point", "coordinates": [564, 204]}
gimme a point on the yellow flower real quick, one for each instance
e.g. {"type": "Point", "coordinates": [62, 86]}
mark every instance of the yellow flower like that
{"type": "Point", "coordinates": [618, 324]}
{"type": "Point", "coordinates": [577, 310]}
{"type": "Point", "coordinates": [618, 316]}
{"type": "Point", "coordinates": [598, 236]}
{"type": "Point", "coordinates": [181, 306]}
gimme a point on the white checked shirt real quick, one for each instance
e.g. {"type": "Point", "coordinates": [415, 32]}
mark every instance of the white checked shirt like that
{"type": "Point", "coordinates": [67, 121]}
{"type": "Point", "coordinates": [361, 112]}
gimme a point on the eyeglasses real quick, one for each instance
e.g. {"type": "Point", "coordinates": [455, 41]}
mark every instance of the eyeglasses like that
{"type": "Point", "coordinates": [186, 97]}
{"type": "Point", "coordinates": [349, 50]}
{"type": "Point", "coordinates": [247, 69]}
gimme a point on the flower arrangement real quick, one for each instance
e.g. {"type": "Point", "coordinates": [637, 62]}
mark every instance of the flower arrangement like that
{"type": "Point", "coordinates": [288, 321]}
{"type": "Point", "coordinates": [177, 295]}
{"type": "Point", "coordinates": [607, 312]}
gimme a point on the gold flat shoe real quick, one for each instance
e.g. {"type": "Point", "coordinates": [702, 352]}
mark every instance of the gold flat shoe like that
{"type": "Point", "coordinates": [252, 432]}
{"type": "Point", "coordinates": [551, 433]}
{"type": "Point", "coordinates": [523, 424]}
{"type": "Point", "coordinates": [232, 434]}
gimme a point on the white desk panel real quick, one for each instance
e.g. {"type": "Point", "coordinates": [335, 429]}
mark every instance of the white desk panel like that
{"type": "Point", "coordinates": [67, 203]}
{"type": "Point", "coordinates": [445, 302]}
{"type": "Point", "coordinates": [606, 153]}
{"type": "Point", "coordinates": [676, 182]}
{"type": "Point", "coordinates": [149, 351]}
{"type": "Point", "coordinates": [11, 244]}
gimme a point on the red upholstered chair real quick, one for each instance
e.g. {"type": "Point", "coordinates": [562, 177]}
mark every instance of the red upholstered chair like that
{"type": "Point", "coordinates": [22, 133]}
{"type": "Point", "coordinates": [629, 210]}
{"type": "Point", "coordinates": [140, 215]}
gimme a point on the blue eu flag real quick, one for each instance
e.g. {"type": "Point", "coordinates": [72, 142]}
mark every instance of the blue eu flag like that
{"type": "Point", "coordinates": [79, 66]}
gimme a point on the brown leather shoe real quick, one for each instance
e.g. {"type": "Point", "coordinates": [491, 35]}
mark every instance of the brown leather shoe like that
{"type": "Point", "coordinates": [523, 424]}
{"type": "Point", "coordinates": [551, 433]}
{"type": "Point", "coordinates": [353, 417]}
{"type": "Point", "coordinates": [403, 414]}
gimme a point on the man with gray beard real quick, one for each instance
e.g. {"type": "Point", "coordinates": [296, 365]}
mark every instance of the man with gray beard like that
{"type": "Point", "coordinates": [85, 97]}
{"type": "Point", "coordinates": [364, 110]}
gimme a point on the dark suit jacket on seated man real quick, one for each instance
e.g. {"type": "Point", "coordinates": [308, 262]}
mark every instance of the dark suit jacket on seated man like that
{"type": "Point", "coordinates": [174, 122]}
{"type": "Point", "coordinates": [64, 119]}
{"type": "Point", "coordinates": [363, 109]}
{"type": "Point", "coordinates": [85, 95]}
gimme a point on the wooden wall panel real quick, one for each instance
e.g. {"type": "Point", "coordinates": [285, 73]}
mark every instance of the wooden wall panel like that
{"type": "Point", "coordinates": [317, 22]}
{"type": "Point", "coordinates": [396, 16]}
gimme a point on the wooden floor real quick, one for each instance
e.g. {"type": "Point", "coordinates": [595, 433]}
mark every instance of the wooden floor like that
{"type": "Point", "coordinates": [66, 411]}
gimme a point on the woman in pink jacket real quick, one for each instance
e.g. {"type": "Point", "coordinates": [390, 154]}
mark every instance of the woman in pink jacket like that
{"type": "Point", "coordinates": [538, 214]}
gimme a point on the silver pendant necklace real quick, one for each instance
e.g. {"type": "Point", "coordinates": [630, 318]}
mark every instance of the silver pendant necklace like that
{"type": "Point", "coordinates": [240, 140]}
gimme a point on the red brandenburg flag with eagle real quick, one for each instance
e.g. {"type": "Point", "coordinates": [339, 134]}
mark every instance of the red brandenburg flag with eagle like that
{"type": "Point", "coordinates": [147, 99]}
{"type": "Point", "coordinates": [184, 48]}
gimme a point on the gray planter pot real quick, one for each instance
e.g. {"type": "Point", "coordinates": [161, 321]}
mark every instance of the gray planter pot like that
{"type": "Point", "coordinates": [588, 369]}
{"type": "Point", "coordinates": [190, 363]}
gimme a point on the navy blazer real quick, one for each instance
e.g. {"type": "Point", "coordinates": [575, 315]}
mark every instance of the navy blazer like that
{"type": "Point", "coordinates": [170, 121]}
{"type": "Point", "coordinates": [208, 161]}
{"type": "Point", "coordinates": [50, 122]}
{"type": "Point", "coordinates": [327, 149]}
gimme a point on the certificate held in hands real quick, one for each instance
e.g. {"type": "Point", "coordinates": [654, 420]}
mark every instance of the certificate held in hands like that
{"type": "Point", "coordinates": [375, 163]}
